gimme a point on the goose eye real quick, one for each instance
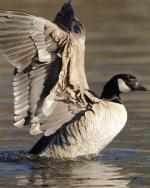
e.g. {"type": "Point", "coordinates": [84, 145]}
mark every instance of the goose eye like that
{"type": "Point", "coordinates": [132, 82]}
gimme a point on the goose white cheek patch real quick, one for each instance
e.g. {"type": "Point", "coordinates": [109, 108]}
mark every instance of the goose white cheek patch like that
{"type": "Point", "coordinates": [122, 86]}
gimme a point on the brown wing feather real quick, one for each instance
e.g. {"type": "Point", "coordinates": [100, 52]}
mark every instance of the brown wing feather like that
{"type": "Point", "coordinates": [49, 65]}
{"type": "Point", "coordinates": [63, 112]}
{"type": "Point", "coordinates": [23, 36]}
{"type": "Point", "coordinates": [27, 45]}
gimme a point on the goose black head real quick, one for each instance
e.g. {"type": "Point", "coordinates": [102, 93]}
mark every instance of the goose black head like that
{"type": "Point", "coordinates": [118, 84]}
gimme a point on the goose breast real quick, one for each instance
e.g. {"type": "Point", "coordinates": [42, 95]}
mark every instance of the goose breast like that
{"type": "Point", "coordinates": [89, 132]}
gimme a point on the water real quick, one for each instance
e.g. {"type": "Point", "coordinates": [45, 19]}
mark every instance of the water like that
{"type": "Point", "coordinates": [118, 41]}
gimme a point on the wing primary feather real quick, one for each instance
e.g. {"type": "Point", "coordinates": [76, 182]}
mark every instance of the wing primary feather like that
{"type": "Point", "coordinates": [67, 20]}
{"type": "Point", "coordinates": [65, 16]}
{"type": "Point", "coordinates": [42, 54]}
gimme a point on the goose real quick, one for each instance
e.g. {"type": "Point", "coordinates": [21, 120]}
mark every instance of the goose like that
{"type": "Point", "coordinates": [51, 93]}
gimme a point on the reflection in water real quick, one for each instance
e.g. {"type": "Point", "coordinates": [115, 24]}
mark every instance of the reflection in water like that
{"type": "Point", "coordinates": [78, 174]}
{"type": "Point", "coordinates": [53, 173]}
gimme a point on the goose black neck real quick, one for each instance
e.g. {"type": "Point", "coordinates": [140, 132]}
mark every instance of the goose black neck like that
{"type": "Point", "coordinates": [111, 92]}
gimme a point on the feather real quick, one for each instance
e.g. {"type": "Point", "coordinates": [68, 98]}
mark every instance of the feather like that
{"type": "Point", "coordinates": [47, 61]}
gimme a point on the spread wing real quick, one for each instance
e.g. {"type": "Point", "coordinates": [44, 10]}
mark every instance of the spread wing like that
{"type": "Point", "coordinates": [49, 77]}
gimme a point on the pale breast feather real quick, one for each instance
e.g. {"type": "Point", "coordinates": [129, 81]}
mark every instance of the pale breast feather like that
{"type": "Point", "coordinates": [110, 120]}
{"type": "Point", "coordinates": [89, 132]}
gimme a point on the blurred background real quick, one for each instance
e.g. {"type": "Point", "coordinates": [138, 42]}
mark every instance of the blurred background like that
{"type": "Point", "coordinates": [118, 41]}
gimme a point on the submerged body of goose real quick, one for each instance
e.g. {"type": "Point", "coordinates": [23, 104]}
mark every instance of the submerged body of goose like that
{"type": "Point", "coordinates": [51, 93]}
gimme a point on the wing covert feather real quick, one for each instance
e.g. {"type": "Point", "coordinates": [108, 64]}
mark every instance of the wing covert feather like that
{"type": "Point", "coordinates": [49, 79]}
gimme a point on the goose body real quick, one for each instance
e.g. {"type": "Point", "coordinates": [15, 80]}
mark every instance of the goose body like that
{"type": "Point", "coordinates": [87, 134]}
{"type": "Point", "coordinates": [51, 93]}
